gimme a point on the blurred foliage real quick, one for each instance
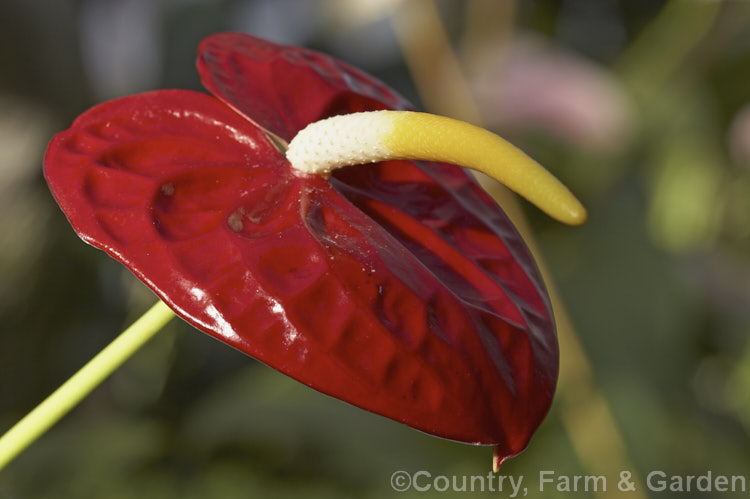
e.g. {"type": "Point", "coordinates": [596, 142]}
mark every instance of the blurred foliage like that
{"type": "Point", "coordinates": [657, 283]}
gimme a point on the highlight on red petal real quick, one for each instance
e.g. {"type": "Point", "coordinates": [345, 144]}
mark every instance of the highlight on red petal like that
{"type": "Point", "coordinates": [284, 88]}
{"type": "Point", "coordinates": [399, 287]}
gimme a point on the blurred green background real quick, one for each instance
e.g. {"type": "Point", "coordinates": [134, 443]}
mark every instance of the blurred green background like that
{"type": "Point", "coordinates": [641, 106]}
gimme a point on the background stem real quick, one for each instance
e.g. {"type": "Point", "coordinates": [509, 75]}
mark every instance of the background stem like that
{"type": "Point", "coordinates": [54, 407]}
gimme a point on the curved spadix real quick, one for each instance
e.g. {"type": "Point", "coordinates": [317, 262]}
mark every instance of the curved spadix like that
{"type": "Point", "coordinates": [373, 136]}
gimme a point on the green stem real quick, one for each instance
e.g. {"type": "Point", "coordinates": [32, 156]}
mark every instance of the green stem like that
{"type": "Point", "coordinates": [54, 407]}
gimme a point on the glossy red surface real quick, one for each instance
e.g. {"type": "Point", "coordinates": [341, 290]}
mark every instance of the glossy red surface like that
{"type": "Point", "coordinates": [399, 287]}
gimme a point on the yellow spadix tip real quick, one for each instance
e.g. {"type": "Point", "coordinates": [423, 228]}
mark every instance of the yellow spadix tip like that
{"type": "Point", "coordinates": [382, 135]}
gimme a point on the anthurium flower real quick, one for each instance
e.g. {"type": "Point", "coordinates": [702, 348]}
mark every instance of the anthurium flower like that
{"type": "Point", "coordinates": [397, 286]}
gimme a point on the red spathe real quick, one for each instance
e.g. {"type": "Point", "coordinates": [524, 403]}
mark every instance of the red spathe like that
{"type": "Point", "coordinates": [399, 287]}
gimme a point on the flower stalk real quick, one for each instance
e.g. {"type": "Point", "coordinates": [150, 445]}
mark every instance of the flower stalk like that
{"type": "Point", "coordinates": [57, 405]}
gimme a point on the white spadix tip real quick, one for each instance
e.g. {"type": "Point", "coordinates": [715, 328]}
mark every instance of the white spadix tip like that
{"type": "Point", "coordinates": [349, 139]}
